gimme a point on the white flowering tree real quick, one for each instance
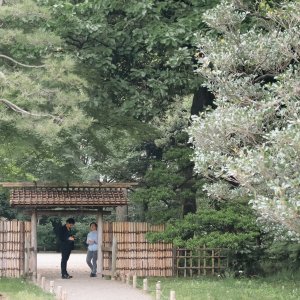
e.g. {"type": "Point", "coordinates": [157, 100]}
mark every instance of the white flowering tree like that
{"type": "Point", "coordinates": [249, 146]}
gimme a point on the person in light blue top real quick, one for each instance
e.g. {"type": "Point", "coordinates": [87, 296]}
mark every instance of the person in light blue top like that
{"type": "Point", "coordinates": [92, 254]}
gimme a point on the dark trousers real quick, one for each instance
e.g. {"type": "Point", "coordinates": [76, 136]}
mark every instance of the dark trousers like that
{"type": "Point", "coordinates": [65, 254]}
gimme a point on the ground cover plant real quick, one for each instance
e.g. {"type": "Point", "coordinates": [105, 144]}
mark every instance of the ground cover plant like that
{"type": "Point", "coordinates": [205, 288]}
{"type": "Point", "coordinates": [19, 289]}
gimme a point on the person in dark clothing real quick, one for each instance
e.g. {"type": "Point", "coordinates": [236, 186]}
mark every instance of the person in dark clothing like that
{"type": "Point", "coordinates": [66, 245]}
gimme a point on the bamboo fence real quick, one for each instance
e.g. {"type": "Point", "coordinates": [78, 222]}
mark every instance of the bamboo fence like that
{"type": "Point", "coordinates": [12, 247]}
{"type": "Point", "coordinates": [202, 261]}
{"type": "Point", "coordinates": [135, 254]}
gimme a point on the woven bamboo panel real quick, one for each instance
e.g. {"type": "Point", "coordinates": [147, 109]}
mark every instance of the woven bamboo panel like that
{"type": "Point", "coordinates": [12, 237]}
{"type": "Point", "coordinates": [43, 197]}
{"type": "Point", "coordinates": [202, 261]}
{"type": "Point", "coordinates": [135, 254]}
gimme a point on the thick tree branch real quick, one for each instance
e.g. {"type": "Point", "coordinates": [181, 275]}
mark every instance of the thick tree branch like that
{"type": "Point", "coordinates": [24, 112]}
{"type": "Point", "coordinates": [18, 63]}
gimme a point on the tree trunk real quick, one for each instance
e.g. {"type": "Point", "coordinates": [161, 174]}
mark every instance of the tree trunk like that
{"type": "Point", "coordinates": [201, 100]}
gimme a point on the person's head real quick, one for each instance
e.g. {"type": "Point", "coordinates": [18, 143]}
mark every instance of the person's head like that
{"type": "Point", "coordinates": [70, 223]}
{"type": "Point", "coordinates": [93, 226]}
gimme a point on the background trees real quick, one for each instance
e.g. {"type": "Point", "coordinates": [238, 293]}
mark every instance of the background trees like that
{"type": "Point", "coordinates": [106, 89]}
{"type": "Point", "coordinates": [41, 120]}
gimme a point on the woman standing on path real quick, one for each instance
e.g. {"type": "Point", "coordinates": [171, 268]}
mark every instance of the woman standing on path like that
{"type": "Point", "coordinates": [92, 254]}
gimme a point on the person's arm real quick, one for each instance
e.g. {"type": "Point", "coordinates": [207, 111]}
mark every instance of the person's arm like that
{"type": "Point", "coordinates": [64, 235]}
{"type": "Point", "coordinates": [89, 240]}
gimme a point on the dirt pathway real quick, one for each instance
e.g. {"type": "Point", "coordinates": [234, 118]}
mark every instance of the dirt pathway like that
{"type": "Point", "coordinates": [81, 286]}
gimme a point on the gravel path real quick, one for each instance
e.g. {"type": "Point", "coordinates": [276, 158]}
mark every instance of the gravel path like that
{"type": "Point", "coordinates": [81, 286]}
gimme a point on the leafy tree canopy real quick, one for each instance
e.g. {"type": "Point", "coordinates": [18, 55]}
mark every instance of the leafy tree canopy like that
{"type": "Point", "coordinates": [249, 145]}
{"type": "Point", "coordinates": [41, 119]}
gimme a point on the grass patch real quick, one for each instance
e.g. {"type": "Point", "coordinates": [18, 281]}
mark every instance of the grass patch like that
{"type": "Point", "coordinates": [205, 288]}
{"type": "Point", "coordinates": [20, 289]}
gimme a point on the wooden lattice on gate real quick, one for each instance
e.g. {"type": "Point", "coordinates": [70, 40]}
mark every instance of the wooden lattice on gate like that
{"type": "Point", "coordinates": [13, 261]}
{"type": "Point", "coordinates": [135, 254]}
{"type": "Point", "coordinates": [203, 261]}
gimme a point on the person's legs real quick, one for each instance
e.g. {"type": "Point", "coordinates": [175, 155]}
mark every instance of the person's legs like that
{"type": "Point", "coordinates": [95, 256]}
{"type": "Point", "coordinates": [65, 254]}
{"type": "Point", "coordinates": [89, 257]}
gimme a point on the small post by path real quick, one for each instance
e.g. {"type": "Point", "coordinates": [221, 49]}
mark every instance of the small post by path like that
{"type": "Point", "coordinates": [64, 295]}
{"type": "Point", "coordinates": [51, 290]}
{"type": "Point", "coordinates": [59, 292]}
{"type": "Point", "coordinates": [172, 295]}
{"type": "Point", "coordinates": [145, 285]}
{"type": "Point", "coordinates": [134, 279]}
{"type": "Point", "coordinates": [38, 279]}
{"type": "Point", "coordinates": [158, 290]}
{"type": "Point", "coordinates": [128, 278]}
{"type": "Point", "coordinates": [43, 282]}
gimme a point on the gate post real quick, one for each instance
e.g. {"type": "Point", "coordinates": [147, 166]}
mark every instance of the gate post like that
{"type": "Point", "coordinates": [34, 244]}
{"type": "Point", "coordinates": [100, 240]}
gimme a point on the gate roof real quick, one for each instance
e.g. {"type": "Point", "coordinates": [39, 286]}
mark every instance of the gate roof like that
{"type": "Point", "coordinates": [72, 195]}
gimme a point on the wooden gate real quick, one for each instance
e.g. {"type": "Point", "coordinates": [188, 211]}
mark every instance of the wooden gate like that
{"type": "Point", "coordinates": [14, 255]}
{"type": "Point", "coordinates": [135, 254]}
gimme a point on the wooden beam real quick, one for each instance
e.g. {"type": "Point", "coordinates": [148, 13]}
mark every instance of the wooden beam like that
{"type": "Point", "coordinates": [24, 184]}
{"type": "Point", "coordinates": [65, 212]}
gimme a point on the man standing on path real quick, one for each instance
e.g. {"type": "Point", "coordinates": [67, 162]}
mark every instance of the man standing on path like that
{"type": "Point", "coordinates": [66, 245]}
{"type": "Point", "coordinates": [92, 254]}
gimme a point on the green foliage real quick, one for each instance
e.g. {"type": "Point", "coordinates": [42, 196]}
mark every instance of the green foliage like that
{"type": "Point", "coordinates": [5, 210]}
{"type": "Point", "coordinates": [281, 257]}
{"type": "Point", "coordinates": [42, 122]}
{"type": "Point", "coordinates": [136, 57]}
{"type": "Point", "coordinates": [232, 226]}
{"type": "Point", "coordinates": [220, 288]}
{"type": "Point", "coordinates": [165, 189]}
{"type": "Point", "coordinates": [249, 145]}
{"type": "Point", "coordinates": [20, 289]}
{"type": "Point", "coordinates": [46, 237]}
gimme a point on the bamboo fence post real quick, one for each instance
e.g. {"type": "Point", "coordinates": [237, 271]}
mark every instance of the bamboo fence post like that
{"type": "Point", "coordinates": [145, 285]}
{"type": "Point", "coordinates": [134, 279]}
{"type": "Point", "coordinates": [114, 256]}
{"type": "Point", "coordinates": [172, 295]}
{"type": "Point", "coordinates": [158, 291]}
{"type": "Point", "coordinates": [127, 278]}
{"type": "Point", "coordinates": [59, 292]}
{"type": "Point", "coordinates": [51, 289]}
{"type": "Point", "coordinates": [26, 256]}
{"type": "Point", "coordinates": [123, 278]}
{"type": "Point", "coordinates": [64, 295]}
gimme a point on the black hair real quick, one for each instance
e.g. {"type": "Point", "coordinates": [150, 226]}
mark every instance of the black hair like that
{"type": "Point", "coordinates": [70, 221]}
{"type": "Point", "coordinates": [94, 224]}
